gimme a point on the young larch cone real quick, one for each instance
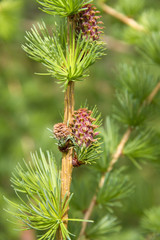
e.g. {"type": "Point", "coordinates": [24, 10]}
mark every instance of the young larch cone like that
{"type": "Point", "coordinates": [63, 135]}
{"type": "Point", "coordinates": [61, 131]}
{"type": "Point", "coordinates": [83, 129]}
{"type": "Point", "coordinates": [88, 22]}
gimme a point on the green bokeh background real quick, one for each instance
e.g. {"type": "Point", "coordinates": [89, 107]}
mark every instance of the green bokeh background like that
{"type": "Point", "coordinates": [29, 104]}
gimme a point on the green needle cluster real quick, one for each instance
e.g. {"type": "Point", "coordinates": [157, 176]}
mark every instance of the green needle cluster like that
{"type": "Point", "coordinates": [38, 187]}
{"type": "Point", "coordinates": [63, 8]}
{"type": "Point", "coordinates": [66, 62]}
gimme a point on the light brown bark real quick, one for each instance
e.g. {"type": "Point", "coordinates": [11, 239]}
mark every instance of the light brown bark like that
{"type": "Point", "coordinates": [66, 173]}
{"type": "Point", "coordinates": [67, 167]}
{"type": "Point", "coordinates": [153, 93]}
{"type": "Point", "coordinates": [128, 21]}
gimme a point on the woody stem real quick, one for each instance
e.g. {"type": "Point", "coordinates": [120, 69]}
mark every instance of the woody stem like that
{"type": "Point", "coordinates": [127, 20]}
{"type": "Point", "coordinates": [66, 173]}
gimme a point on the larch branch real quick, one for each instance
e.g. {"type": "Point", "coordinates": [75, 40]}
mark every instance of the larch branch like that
{"type": "Point", "coordinates": [115, 158]}
{"type": "Point", "coordinates": [67, 167]}
{"type": "Point", "coordinates": [153, 93]}
{"type": "Point", "coordinates": [129, 21]}
{"type": "Point", "coordinates": [66, 174]}
{"type": "Point", "coordinates": [87, 216]}
{"type": "Point", "coordinates": [117, 154]}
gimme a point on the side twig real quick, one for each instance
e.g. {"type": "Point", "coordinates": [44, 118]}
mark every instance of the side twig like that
{"type": "Point", "coordinates": [117, 154]}
{"type": "Point", "coordinates": [129, 21]}
{"type": "Point", "coordinates": [153, 93]}
{"type": "Point", "coordinates": [115, 158]}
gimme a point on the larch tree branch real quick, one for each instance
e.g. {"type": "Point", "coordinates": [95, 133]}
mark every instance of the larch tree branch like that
{"type": "Point", "coordinates": [67, 157]}
{"type": "Point", "coordinates": [128, 21]}
{"type": "Point", "coordinates": [117, 154]}
{"type": "Point", "coordinates": [153, 93]}
{"type": "Point", "coordinates": [67, 167]}
{"type": "Point", "coordinates": [115, 158]}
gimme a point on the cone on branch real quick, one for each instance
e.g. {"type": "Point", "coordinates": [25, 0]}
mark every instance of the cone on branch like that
{"type": "Point", "coordinates": [88, 22]}
{"type": "Point", "coordinates": [83, 131]}
{"type": "Point", "coordinates": [63, 134]}
{"type": "Point", "coordinates": [83, 128]}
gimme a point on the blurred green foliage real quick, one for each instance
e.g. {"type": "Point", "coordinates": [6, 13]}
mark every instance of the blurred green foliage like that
{"type": "Point", "coordinates": [9, 17]}
{"type": "Point", "coordinates": [29, 104]}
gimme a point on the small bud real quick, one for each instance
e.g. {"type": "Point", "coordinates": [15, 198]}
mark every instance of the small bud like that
{"type": "Point", "coordinates": [60, 131]}
{"type": "Point", "coordinates": [63, 134]}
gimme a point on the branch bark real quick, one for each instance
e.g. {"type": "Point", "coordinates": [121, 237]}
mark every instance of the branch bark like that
{"type": "Point", "coordinates": [115, 158]}
{"type": "Point", "coordinates": [129, 21]}
{"type": "Point", "coordinates": [153, 93]}
{"type": "Point", "coordinates": [66, 173]}
{"type": "Point", "coordinates": [117, 154]}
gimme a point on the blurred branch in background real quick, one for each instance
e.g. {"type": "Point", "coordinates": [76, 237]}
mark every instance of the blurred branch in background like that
{"type": "Point", "coordinates": [129, 21]}
{"type": "Point", "coordinates": [153, 93]}
{"type": "Point", "coordinates": [116, 156]}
